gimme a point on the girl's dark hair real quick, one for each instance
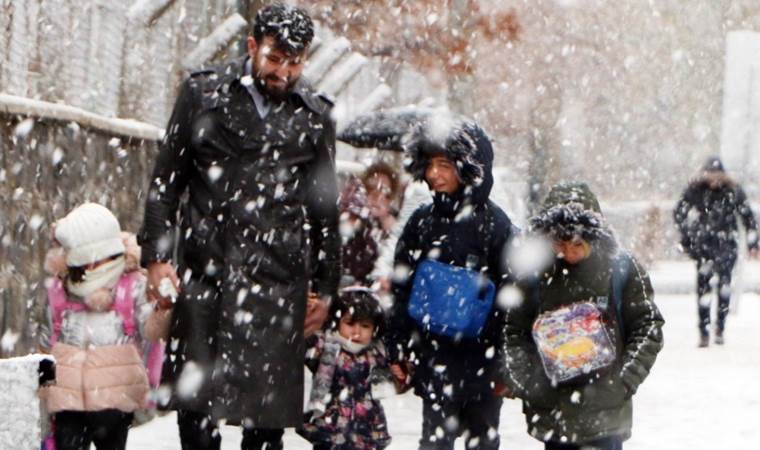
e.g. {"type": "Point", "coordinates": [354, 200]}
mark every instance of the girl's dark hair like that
{"type": "Point", "coordinates": [361, 304]}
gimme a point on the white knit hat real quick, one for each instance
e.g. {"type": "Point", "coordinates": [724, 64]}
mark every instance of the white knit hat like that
{"type": "Point", "coordinates": [89, 233]}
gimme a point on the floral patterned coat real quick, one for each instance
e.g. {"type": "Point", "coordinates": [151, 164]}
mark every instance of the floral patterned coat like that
{"type": "Point", "coordinates": [353, 419]}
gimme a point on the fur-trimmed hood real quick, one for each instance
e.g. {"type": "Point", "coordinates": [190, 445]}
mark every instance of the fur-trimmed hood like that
{"type": "Point", "coordinates": [571, 210]}
{"type": "Point", "coordinates": [714, 180]}
{"type": "Point", "coordinates": [712, 176]}
{"type": "Point", "coordinates": [460, 140]}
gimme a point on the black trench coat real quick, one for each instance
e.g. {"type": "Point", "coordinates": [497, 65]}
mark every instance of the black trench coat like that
{"type": "Point", "coordinates": [257, 230]}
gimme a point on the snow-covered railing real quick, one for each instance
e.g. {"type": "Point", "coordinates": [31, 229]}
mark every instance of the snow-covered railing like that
{"type": "Point", "coordinates": [216, 41]}
{"type": "Point", "coordinates": [144, 12]}
{"type": "Point", "coordinates": [20, 407]}
{"type": "Point", "coordinates": [342, 74]}
{"type": "Point", "coordinates": [349, 167]}
{"type": "Point", "coordinates": [377, 97]}
{"type": "Point", "coordinates": [324, 58]}
{"type": "Point", "coordinates": [11, 104]}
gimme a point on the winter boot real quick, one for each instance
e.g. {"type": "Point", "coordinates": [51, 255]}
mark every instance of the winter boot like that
{"type": "Point", "coordinates": [719, 337]}
{"type": "Point", "coordinates": [704, 341]}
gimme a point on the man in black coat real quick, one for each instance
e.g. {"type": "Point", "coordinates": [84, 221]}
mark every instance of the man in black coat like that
{"type": "Point", "coordinates": [454, 375]}
{"type": "Point", "coordinates": [251, 146]}
{"type": "Point", "coordinates": [707, 217]}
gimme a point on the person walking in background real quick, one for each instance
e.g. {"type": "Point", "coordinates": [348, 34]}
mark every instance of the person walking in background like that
{"type": "Point", "coordinates": [383, 189]}
{"type": "Point", "coordinates": [391, 204]}
{"type": "Point", "coordinates": [585, 332]}
{"type": "Point", "coordinates": [707, 216]}
{"type": "Point", "coordinates": [450, 250]}
{"type": "Point", "coordinates": [359, 248]}
{"type": "Point", "coordinates": [368, 227]}
{"type": "Point", "coordinates": [251, 146]}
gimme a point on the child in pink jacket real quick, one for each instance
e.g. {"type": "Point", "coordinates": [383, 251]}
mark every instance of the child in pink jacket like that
{"type": "Point", "coordinates": [99, 319]}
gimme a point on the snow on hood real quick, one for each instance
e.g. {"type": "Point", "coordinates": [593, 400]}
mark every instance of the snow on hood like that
{"type": "Point", "coordinates": [460, 140]}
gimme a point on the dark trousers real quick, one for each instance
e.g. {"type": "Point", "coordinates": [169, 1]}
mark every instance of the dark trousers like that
{"type": "Point", "coordinates": [706, 272]}
{"type": "Point", "coordinates": [608, 443]}
{"type": "Point", "coordinates": [198, 432]}
{"type": "Point", "coordinates": [443, 422]}
{"type": "Point", "coordinates": [107, 429]}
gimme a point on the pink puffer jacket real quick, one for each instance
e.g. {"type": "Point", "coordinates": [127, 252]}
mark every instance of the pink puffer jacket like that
{"type": "Point", "coordinates": [97, 378]}
{"type": "Point", "coordinates": [111, 374]}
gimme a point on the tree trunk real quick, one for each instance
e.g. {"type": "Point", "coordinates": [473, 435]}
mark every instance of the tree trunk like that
{"type": "Point", "coordinates": [460, 82]}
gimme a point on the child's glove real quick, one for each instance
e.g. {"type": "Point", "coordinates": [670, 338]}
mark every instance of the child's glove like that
{"type": "Point", "coordinates": [402, 376]}
{"type": "Point", "coordinates": [501, 390]}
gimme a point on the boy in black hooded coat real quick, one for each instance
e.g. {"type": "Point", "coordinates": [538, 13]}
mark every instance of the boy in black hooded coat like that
{"type": "Point", "coordinates": [454, 376]}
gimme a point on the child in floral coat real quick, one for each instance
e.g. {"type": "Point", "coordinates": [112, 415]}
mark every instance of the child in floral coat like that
{"type": "Point", "coordinates": [350, 375]}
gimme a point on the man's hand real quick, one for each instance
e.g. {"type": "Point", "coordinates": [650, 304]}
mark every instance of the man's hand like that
{"type": "Point", "coordinates": [158, 271]}
{"type": "Point", "coordinates": [316, 314]}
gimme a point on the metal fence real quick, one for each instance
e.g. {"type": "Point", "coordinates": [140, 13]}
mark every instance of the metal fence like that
{"type": "Point", "coordinates": [47, 166]}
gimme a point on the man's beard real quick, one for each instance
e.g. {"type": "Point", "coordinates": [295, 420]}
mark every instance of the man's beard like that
{"type": "Point", "coordinates": [274, 95]}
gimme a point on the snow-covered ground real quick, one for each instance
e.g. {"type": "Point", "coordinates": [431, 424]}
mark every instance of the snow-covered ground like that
{"type": "Point", "coordinates": [694, 399]}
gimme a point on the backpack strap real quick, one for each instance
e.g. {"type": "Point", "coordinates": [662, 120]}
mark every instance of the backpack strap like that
{"type": "Point", "coordinates": [58, 303]}
{"type": "Point", "coordinates": [621, 267]}
{"type": "Point", "coordinates": [124, 304]}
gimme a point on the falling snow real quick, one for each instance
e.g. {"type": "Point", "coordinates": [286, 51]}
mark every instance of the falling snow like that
{"type": "Point", "coordinates": [628, 96]}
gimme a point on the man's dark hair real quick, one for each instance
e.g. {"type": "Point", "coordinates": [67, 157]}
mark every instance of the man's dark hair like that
{"type": "Point", "coordinates": [291, 27]}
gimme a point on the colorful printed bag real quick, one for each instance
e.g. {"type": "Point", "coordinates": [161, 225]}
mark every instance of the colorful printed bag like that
{"type": "Point", "coordinates": [574, 341]}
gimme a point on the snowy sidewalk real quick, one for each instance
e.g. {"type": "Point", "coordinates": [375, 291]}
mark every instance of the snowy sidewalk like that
{"type": "Point", "coordinates": [680, 277]}
{"type": "Point", "coordinates": [695, 399]}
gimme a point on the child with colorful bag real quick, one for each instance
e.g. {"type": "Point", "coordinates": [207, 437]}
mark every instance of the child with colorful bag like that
{"type": "Point", "coordinates": [586, 332]}
{"type": "Point", "coordinates": [99, 321]}
{"type": "Point", "coordinates": [350, 377]}
{"type": "Point", "coordinates": [444, 329]}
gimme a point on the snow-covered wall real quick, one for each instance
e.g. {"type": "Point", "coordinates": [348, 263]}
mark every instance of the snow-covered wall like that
{"type": "Point", "coordinates": [20, 406]}
{"type": "Point", "coordinates": [740, 136]}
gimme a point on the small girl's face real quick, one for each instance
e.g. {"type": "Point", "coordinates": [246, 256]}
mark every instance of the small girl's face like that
{"type": "Point", "coordinates": [358, 331]}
